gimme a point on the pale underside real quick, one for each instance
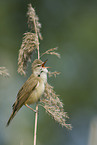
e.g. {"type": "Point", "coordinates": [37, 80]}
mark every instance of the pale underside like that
{"type": "Point", "coordinates": [36, 93]}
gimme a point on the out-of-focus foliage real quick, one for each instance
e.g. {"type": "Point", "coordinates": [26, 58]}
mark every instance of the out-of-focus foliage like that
{"type": "Point", "coordinates": [72, 27]}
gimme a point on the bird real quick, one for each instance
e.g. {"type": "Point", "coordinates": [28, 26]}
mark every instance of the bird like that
{"type": "Point", "coordinates": [32, 89]}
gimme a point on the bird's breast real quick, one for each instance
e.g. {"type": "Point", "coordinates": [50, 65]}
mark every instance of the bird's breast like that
{"type": "Point", "coordinates": [36, 93]}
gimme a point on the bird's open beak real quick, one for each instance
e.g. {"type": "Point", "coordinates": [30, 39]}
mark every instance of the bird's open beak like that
{"type": "Point", "coordinates": [44, 64]}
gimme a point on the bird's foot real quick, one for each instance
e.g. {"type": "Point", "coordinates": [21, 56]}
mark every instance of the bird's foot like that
{"type": "Point", "coordinates": [36, 111]}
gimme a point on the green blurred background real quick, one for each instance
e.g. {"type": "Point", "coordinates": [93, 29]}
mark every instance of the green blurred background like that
{"type": "Point", "coordinates": [70, 25]}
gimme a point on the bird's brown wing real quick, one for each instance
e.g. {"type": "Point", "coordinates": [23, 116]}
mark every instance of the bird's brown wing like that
{"type": "Point", "coordinates": [24, 92]}
{"type": "Point", "coordinates": [23, 95]}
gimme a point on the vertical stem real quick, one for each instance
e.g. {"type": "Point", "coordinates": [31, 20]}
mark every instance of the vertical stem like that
{"type": "Point", "coordinates": [36, 119]}
{"type": "Point", "coordinates": [37, 39]}
{"type": "Point", "coordinates": [36, 114]}
{"type": "Point", "coordinates": [38, 52]}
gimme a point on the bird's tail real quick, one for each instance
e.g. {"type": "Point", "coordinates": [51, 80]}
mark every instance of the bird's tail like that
{"type": "Point", "coordinates": [11, 117]}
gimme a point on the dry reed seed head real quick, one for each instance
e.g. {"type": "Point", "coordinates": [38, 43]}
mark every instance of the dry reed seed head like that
{"type": "Point", "coordinates": [55, 73]}
{"type": "Point", "coordinates": [33, 20]}
{"type": "Point", "coordinates": [54, 106]}
{"type": "Point", "coordinates": [4, 72]}
{"type": "Point", "coordinates": [30, 41]}
{"type": "Point", "coordinates": [51, 52]}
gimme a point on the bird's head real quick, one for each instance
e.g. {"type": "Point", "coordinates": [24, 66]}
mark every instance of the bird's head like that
{"type": "Point", "coordinates": [38, 67]}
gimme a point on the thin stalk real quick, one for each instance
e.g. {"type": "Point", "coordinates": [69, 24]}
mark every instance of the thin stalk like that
{"type": "Point", "coordinates": [37, 39]}
{"type": "Point", "coordinates": [36, 121]}
{"type": "Point", "coordinates": [36, 113]}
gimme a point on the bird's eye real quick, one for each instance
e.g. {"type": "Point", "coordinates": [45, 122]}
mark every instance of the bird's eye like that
{"type": "Point", "coordinates": [38, 65]}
